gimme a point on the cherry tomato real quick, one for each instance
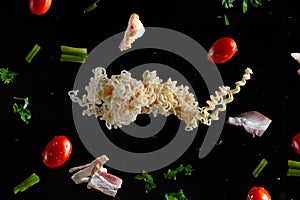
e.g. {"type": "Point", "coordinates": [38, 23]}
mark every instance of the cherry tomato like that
{"type": "Point", "coordinates": [57, 151]}
{"type": "Point", "coordinates": [258, 193]}
{"type": "Point", "coordinates": [222, 50]}
{"type": "Point", "coordinates": [39, 7]}
{"type": "Point", "coordinates": [296, 143]}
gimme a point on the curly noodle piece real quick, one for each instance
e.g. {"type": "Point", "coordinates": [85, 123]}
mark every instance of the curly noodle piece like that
{"type": "Point", "coordinates": [217, 100]}
{"type": "Point", "coordinates": [119, 99]}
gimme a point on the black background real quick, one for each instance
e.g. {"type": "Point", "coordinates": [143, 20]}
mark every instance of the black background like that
{"type": "Point", "coordinates": [265, 36]}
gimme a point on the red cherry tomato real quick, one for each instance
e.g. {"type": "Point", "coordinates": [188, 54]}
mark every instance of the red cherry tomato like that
{"type": "Point", "coordinates": [258, 193]}
{"type": "Point", "coordinates": [39, 7]}
{"type": "Point", "coordinates": [222, 50]}
{"type": "Point", "coordinates": [296, 143]}
{"type": "Point", "coordinates": [57, 151]}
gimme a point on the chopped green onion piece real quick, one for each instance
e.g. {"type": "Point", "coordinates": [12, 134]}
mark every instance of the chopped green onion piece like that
{"type": "Point", "coordinates": [245, 6]}
{"type": "Point", "coordinates": [91, 7]}
{"type": "Point", "coordinates": [28, 182]}
{"type": "Point", "coordinates": [259, 167]}
{"type": "Point", "coordinates": [74, 50]}
{"type": "Point", "coordinates": [293, 172]}
{"type": "Point", "coordinates": [226, 20]}
{"type": "Point", "coordinates": [294, 164]}
{"type": "Point", "coordinates": [72, 58]}
{"type": "Point", "coordinates": [32, 53]}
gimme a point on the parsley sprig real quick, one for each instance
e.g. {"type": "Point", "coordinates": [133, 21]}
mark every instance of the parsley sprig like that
{"type": "Point", "coordinates": [230, 4]}
{"type": "Point", "coordinates": [176, 195]}
{"type": "Point", "coordinates": [7, 76]}
{"type": "Point", "coordinates": [22, 109]}
{"type": "Point", "coordinates": [172, 173]}
{"type": "Point", "coordinates": [227, 3]}
{"type": "Point", "coordinates": [148, 179]}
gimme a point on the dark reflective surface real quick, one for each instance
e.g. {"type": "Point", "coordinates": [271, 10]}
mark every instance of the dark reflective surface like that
{"type": "Point", "coordinates": [265, 37]}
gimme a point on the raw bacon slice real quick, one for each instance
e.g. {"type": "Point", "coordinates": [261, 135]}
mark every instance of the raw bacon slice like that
{"type": "Point", "coordinates": [254, 122]}
{"type": "Point", "coordinates": [97, 177]}
{"type": "Point", "coordinates": [135, 29]}
{"type": "Point", "coordinates": [296, 56]}
{"type": "Point", "coordinates": [105, 182]}
{"type": "Point", "coordinates": [88, 169]}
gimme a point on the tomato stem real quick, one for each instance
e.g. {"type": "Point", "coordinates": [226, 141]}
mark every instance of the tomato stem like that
{"type": "Point", "coordinates": [259, 167]}
{"type": "Point", "coordinates": [32, 53]}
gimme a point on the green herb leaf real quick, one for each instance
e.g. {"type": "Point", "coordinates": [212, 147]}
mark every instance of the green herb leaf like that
{"type": "Point", "coordinates": [255, 3]}
{"type": "Point", "coordinates": [6, 75]}
{"type": "Point", "coordinates": [22, 109]}
{"type": "Point", "coordinates": [148, 179]}
{"type": "Point", "coordinates": [227, 3]}
{"type": "Point", "coordinates": [188, 170]}
{"type": "Point", "coordinates": [172, 173]}
{"type": "Point", "coordinates": [176, 195]}
{"type": "Point", "coordinates": [28, 182]}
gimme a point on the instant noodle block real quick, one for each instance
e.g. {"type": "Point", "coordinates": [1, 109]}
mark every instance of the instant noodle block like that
{"type": "Point", "coordinates": [119, 99]}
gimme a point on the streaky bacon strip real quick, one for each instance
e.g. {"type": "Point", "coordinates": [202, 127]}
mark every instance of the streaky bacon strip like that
{"type": "Point", "coordinates": [87, 170]}
{"type": "Point", "coordinates": [253, 122]}
{"type": "Point", "coordinates": [105, 182]}
{"type": "Point", "coordinates": [296, 56]}
{"type": "Point", "coordinates": [97, 177]}
{"type": "Point", "coordinates": [111, 178]}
